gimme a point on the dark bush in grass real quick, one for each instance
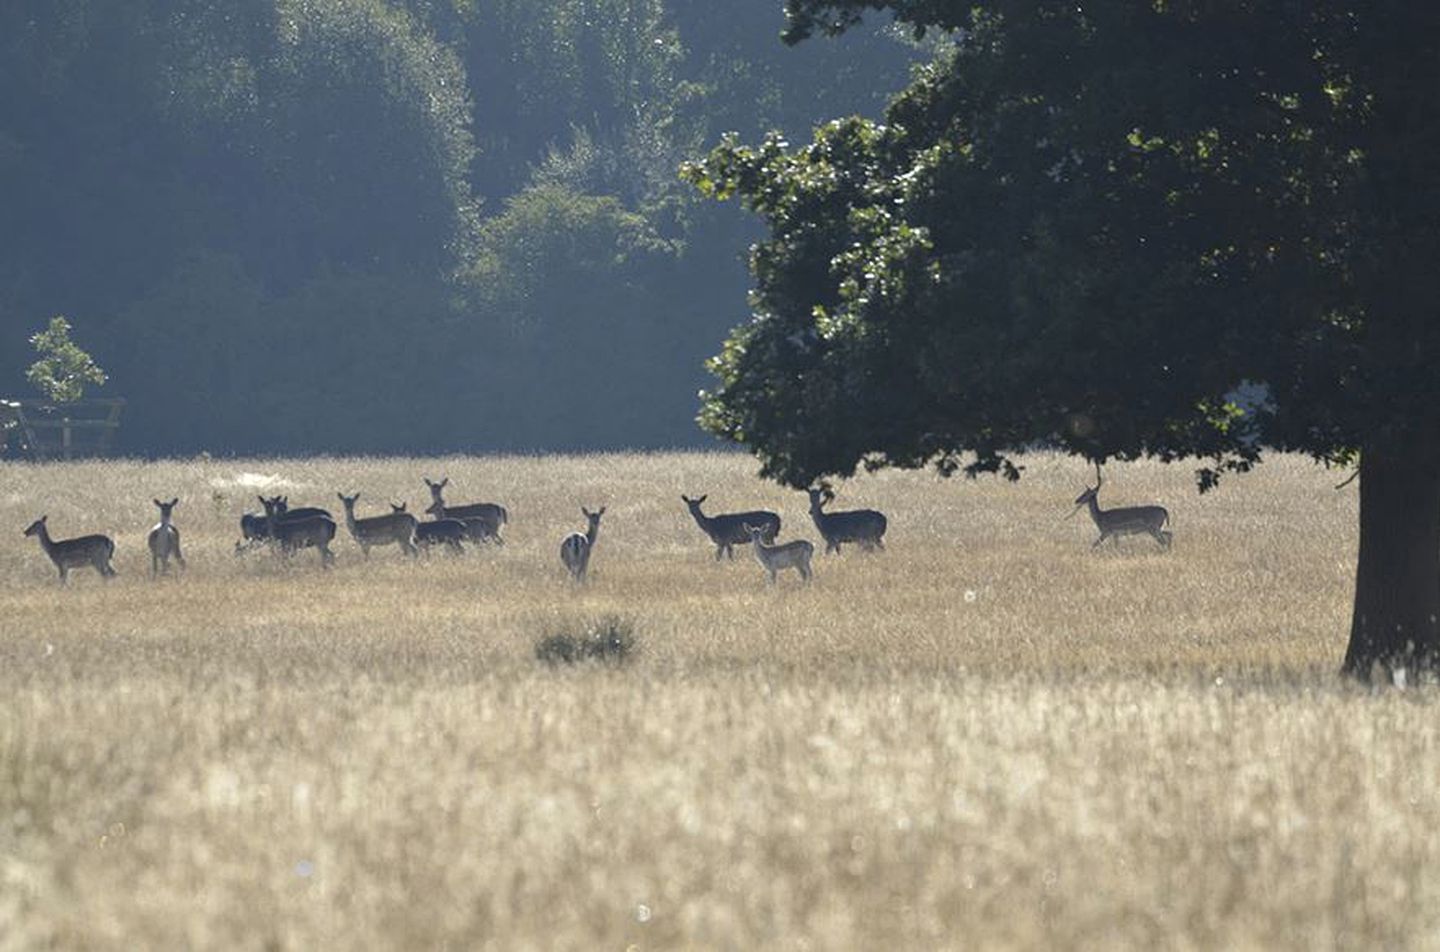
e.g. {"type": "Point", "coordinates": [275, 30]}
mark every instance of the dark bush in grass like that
{"type": "Point", "coordinates": [605, 640]}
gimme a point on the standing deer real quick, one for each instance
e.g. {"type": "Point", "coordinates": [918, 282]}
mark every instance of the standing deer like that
{"type": "Point", "coordinates": [732, 529]}
{"type": "Point", "coordinates": [396, 527]}
{"type": "Point", "coordinates": [489, 515]}
{"type": "Point", "coordinates": [304, 512]}
{"type": "Point", "coordinates": [449, 532]}
{"type": "Point", "coordinates": [255, 527]}
{"type": "Point", "coordinates": [864, 526]}
{"type": "Point", "coordinates": [92, 550]}
{"type": "Point", "coordinates": [790, 555]}
{"type": "Point", "coordinates": [1130, 520]}
{"type": "Point", "coordinates": [303, 533]}
{"type": "Point", "coordinates": [477, 530]}
{"type": "Point", "coordinates": [575, 549]}
{"type": "Point", "coordinates": [164, 539]}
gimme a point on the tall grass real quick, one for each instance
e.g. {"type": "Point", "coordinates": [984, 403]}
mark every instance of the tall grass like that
{"type": "Point", "coordinates": [988, 736]}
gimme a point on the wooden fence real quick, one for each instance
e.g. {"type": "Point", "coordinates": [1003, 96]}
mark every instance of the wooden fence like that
{"type": "Point", "coordinates": [50, 430]}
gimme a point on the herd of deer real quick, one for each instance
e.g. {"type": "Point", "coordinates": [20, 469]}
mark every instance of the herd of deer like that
{"type": "Point", "coordinates": [289, 530]}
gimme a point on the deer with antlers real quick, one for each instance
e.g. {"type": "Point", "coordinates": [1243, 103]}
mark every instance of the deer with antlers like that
{"type": "Point", "coordinates": [1129, 520]}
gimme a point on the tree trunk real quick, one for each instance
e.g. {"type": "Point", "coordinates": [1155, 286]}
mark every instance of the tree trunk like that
{"type": "Point", "coordinates": [1396, 624]}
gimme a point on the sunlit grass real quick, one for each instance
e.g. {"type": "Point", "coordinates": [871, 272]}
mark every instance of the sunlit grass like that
{"type": "Point", "coordinates": [989, 735]}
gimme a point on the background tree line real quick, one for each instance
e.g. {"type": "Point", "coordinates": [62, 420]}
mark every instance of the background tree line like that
{"type": "Point", "coordinates": [393, 225]}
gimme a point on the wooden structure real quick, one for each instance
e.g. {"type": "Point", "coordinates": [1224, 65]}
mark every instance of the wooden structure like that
{"type": "Point", "coordinates": [50, 430]}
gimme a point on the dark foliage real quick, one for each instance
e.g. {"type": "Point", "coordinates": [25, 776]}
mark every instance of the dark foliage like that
{"type": "Point", "coordinates": [609, 641]}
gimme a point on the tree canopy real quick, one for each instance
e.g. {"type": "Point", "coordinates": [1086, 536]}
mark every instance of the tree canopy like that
{"type": "Point", "coordinates": [1089, 226]}
{"type": "Point", "coordinates": [335, 222]}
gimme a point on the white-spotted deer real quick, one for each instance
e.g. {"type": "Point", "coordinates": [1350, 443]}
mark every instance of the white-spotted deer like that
{"type": "Point", "coordinates": [484, 518]}
{"type": "Point", "coordinates": [731, 529]}
{"type": "Point", "coordinates": [393, 527]}
{"type": "Point", "coordinates": [863, 526]}
{"type": "Point", "coordinates": [307, 532]}
{"type": "Point", "coordinates": [451, 532]}
{"type": "Point", "coordinates": [164, 539]}
{"type": "Point", "coordinates": [576, 547]}
{"type": "Point", "coordinates": [1129, 520]}
{"type": "Point", "coordinates": [788, 555]}
{"type": "Point", "coordinates": [95, 551]}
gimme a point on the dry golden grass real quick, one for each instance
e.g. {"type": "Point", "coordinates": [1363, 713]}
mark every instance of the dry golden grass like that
{"type": "Point", "coordinates": [989, 736]}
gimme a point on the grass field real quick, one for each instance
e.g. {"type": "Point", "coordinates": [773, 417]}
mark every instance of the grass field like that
{"type": "Point", "coordinates": [989, 736]}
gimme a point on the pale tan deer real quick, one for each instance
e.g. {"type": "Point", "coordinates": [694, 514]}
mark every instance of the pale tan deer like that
{"type": "Point", "coordinates": [393, 527]}
{"type": "Point", "coordinates": [576, 547]}
{"type": "Point", "coordinates": [1129, 520]}
{"type": "Point", "coordinates": [95, 551]}
{"type": "Point", "coordinates": [786, 555]}
{"type": "Point", "coordinates": [164, 539]}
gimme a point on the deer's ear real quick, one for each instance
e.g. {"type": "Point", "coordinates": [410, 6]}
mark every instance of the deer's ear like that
{"type": "Point", "coordinates": [174, 502]}
{"type": "Point", "coordinates": [157, 502]}
{"type": "Point", "coordinates": [601, 512]}
{"type": "Point", "coordinates": [703, 498]}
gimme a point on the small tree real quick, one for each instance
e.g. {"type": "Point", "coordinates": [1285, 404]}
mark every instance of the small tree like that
{"type": "Point", "coordinates": [64, 369]}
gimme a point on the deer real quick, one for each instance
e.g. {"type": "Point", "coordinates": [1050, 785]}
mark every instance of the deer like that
{"type": "Point", "coordinates": [1130, 520]}
{"type": "Point", "coordinates": [164, 539]}
{"type": "Point", "coordinates": [449, 532]}
{"type": "Point", "coordinates": [477, 530]}
{"type": "Point", "coordinates": [299, 533]}
{"type": "Point", "coordinates": [95, 551]}
{"type": "Point", "coordinates": [732, 529]}
{"type": "Point", "coordinates": [487, 514]}
{"type": "Point", "coordinates": [255, 527]}
{"type": "Point", "coordinates": [576, 547]}
{"type": "Point", "coordinates": [789, 555]}
{"type": "Point", "coordinates": [396, 527]}
{"type": "Point", "coordinates": [863, 526]}
{"type": "Point", "coordinates": [254, 530]}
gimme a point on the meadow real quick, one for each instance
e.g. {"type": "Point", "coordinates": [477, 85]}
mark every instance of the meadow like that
{"type": "Point", "coordinates": [988, 736]}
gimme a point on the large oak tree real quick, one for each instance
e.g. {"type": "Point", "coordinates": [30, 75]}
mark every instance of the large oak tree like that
{"type": "Point", "coordinates": [1090, 224]}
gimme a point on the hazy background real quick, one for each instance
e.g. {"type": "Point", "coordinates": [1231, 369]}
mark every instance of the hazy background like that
{"type": "Point", "coordinates": [414, 225]}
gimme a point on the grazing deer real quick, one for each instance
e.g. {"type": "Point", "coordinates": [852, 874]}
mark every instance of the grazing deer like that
{"type": "Point", "coordinates": [92, 550]}
{"type": "Point", "coordinates": [397, 527]}
{"type": "Point", "coordinates": [487, 514]}
{"type": "Point", "coordinates": [254, 530]}
{"type": "Point", "coordinates": [302, 533]}
{"type": "Point", "coordinates": [164, 539]}
{"type": "Point", "coordinates": [865, 526]}
{"type": "Point", "coordinates": [733, 528]}
{"type": "Point", "coordinates": [1130, 520]}
{"type": "Point", "coordinates": [790, 555]}
{"type": "Point", "coordinates": [575, 549]}
{"type": "Point", "coordinates": [449, 532]}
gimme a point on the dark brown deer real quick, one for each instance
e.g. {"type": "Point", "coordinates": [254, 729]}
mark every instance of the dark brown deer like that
{"type": "Point", "coordinates": [863, 526]}
{"type": "Point", "coordinates": [489, 515]}
{"type": "Point", "coordinates": [95, 551]}
{"type": "Point", "coordinates": [731, 529]}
